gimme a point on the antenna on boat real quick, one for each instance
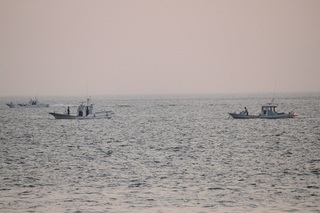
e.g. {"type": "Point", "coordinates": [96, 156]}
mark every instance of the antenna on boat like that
{"type": "Point", "coordinates": [274, 90]}
{"type": "Point", "coordinates": [86, 88]}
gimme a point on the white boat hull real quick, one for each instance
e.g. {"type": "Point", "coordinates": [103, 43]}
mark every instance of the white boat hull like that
{"type": "Point", "coordinates": [275, 116]}
{"type": "Point", "coordinates": [98, 115]}
{"type": "Point", "coordinates": [242, 116]}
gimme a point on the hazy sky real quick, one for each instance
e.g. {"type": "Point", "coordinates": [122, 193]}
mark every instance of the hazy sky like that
{"type": "Point", "coordinates": [158, 46]}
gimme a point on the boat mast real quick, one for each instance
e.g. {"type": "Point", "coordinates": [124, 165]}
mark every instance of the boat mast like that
{"type": "Point", "coordinates": [86, 88]}
{"type": "Point", "coordinates": [274, 90]}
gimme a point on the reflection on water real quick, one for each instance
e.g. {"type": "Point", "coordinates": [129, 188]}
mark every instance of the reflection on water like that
{"type": "Point", "coordinates": [162, 154]}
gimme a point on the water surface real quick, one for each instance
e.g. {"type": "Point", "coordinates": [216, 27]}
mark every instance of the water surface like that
{"type": "Point", "coordinates": [161, 154]}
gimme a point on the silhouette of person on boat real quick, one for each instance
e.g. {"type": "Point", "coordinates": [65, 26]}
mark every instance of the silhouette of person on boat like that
{"type": "Point", "coordinates": [87, 111]}
{"type": "Point", "coordinates": [246, 111]}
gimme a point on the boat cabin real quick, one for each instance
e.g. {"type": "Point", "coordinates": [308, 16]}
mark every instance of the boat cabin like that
{"type": "Point", "coordinates": [33, 102]}
{"type": "Point", "coordinates": [269, 109]}
{"type": "Point", "coordinates": [85, 109]}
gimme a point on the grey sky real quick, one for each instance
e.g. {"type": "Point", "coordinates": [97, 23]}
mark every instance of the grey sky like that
{"type": "Point", "coordinates": [158, 47]}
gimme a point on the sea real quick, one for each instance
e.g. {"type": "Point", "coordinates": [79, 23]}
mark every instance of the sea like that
{"type": "Point", "coordinates": [161, 154]}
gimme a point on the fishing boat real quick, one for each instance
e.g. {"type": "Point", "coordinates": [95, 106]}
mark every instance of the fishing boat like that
{"type": "Point", "coordinates": [84, 111]}
{"type": "Point", "coordinates": [268, 111]}
{"type": "Point", "coordinates": [33, 103]}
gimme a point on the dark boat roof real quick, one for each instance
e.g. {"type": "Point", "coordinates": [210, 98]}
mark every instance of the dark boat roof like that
{"type": "Point", "coordinates": [270, 105]}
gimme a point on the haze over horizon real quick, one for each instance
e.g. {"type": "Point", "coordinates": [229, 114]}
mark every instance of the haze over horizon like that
{"type": "Point", "coordinates": [144, 47]}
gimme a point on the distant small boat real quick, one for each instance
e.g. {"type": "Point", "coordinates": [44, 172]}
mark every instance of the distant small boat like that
{"type": "Point", "coordinates": [33, 103]}
{"type": "Point", "coordinates": [268, 111]}
{"type": "Point", "coordinates": [84, 111]}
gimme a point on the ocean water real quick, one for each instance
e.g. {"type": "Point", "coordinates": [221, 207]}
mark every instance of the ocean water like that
{"type": "Point", "coordinates": [161, 154]}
